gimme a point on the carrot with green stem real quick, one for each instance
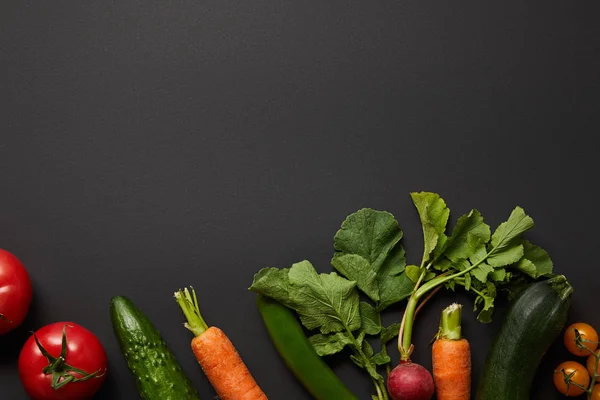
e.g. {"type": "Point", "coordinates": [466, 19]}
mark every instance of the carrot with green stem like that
{"type": "Point", "coordinates": [217, 356]}
{"type": "Point", "coordinates": [451, 358]}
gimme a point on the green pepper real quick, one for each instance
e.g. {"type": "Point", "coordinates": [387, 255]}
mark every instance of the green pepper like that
{"type": "Point", "coordinates": [298, 353]}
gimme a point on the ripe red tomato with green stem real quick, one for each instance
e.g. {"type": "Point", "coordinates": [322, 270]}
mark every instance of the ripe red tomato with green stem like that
{"type": "Point", "coordinates": [15, 292]}
{"type": "Point", "coordinates": [62, 361]}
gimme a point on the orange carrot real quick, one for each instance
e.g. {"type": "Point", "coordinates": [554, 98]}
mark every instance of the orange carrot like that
{"type": "Point", "coordinates": [217, 356]}
{"type": "Point", "coordinates": [451, 357]}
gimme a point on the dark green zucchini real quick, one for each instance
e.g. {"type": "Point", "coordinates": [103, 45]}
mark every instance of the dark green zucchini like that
{"type": "Point", "coordinates": [533, 321]}
{"type": "Point", "coordinates": [157, 374]}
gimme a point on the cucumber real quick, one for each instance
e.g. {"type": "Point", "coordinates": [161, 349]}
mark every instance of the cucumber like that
{"type": "Point", "coordinates": [533, 321]}
{"type": "Point", "coordinates": [157, 374]}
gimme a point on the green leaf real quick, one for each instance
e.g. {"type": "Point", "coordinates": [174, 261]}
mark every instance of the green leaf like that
{"type": "Point", "coordinates": [414, 273]}
{"type": "Point", "coordinates": [517, 223]}
{"type": "Point", "coordinates": [443, 265]}
{"type": "Point", "coordinates": [358, 269]}
{"type": "Point", "coordinates": [325, 301]}
{"type": "Point", "coordinates": [370, 318]}
{"type": "Point", "coordinates": [273, 283]}
{"type": "Point", "coordinates": [535, 262]}
{"type": "Point", "coordinates": [360, 337]}
{"type": "Point", "coordinates": [394, 286]}
{"type": "Point", "coordinates": [372, 370]}
{"type": "Point", "coordinates": [507, 256]}
{"type": "Point", "coordinates": [527, 267]}
{"type": "Point", "coordinates": [498, 275]}
{"type": "Point", "coordinates": [389, 333]}
{"type": "Point", "coordinates": [357, 361]}
{"type": "Point", "coordinates": [326, 345]}
{"type": "Point", "coordinates": [380, 359]}
{"type": "Point", "coordinates": [481, 272]}
{"type": "Point", "coordinates": [370, 234]}
{"type": "Point", "coordinates": [489, 295]}
{"type": "Point", "coordinates": [467, 282]}
{"type": "Point", "coordinates": [392, 289]}
{"type": "Point", "coordinates": [367, 349]}
{"type": "Point", "coordinates": [478, 252]}
{"type": "Point", "coordinates": [434, 217]}
{"type": "Point", "coordinates": [450, 285]}
{"type": "Point", "coordinates": [468, 234]}
{"type": "Point", "coordinates": [375, 237]}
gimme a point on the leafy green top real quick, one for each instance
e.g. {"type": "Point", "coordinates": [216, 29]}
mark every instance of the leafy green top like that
{"type": "Point", "coordinates": [369, 259]}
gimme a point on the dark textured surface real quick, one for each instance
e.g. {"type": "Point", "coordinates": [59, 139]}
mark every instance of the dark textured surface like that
{"type": "Point", "coordinates": [149, 145]}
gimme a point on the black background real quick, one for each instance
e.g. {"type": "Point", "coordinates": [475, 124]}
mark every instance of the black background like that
{"type": "Point", "coordinates": [150, 145]}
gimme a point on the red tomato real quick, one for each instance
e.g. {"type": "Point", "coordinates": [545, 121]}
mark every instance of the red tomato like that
{"type": "Point", "coordinates": [15, 292]}
{"type": "Point", "coordinates": [82, 356]}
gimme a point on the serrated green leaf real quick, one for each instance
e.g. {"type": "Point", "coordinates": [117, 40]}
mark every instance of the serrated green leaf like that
{"type": "Point", "coordinates": [374, 236]}
{"type": "Point", "coordinates": [507, 256]}
{"type": "Point", "coordinates": [434, 217]}
{"type": "Point", "coordinates": [498, 275]}
{"type": "Point", "coordinates": [370, 234]}
{"type": "Point", "coordinates": [370, 318]}
{"type": "Point", "coordinates": [380, 359]}
{"type": "Point", "coordinates": [389, 333]}
{"type": "Point", "coordinates": [535, 262]}
{"type": "Point", "coordinates": [481, 272]}
{"type": "Point", "coordinates": [517, 223]}
{"type": "Point", "coordinates": [358, 269]}
{"type": "Point", "coordinates": [469, 233]}
{"type": "Point", "coordinates": [273, 283]}
{"type": "Point", "coordinates": [393, 284]}
{"type": "Point", "coordinates": [326, 345]}
{"type": "Point", "coordinates": [414, 273]}
{"type": "Point", "coordinates": [325, 301]}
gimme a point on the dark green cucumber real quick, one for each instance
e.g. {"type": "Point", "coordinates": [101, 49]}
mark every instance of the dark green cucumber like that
{"type": "Point", "coordinates": [533, 321]}
{"type": "Point", "coordinates": [158, 375]}
{"type": "Point", "coordinates": [298, 353]}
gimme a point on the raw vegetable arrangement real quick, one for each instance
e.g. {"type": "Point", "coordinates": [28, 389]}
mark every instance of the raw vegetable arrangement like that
{"type": "Point", "coordinates": [310, 315]}
{"type": "Point", "coordinates": [343, 308]}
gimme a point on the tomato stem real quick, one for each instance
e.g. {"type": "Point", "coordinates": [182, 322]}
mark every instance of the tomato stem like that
{"type": "Point", "coordinates": [62, 373]}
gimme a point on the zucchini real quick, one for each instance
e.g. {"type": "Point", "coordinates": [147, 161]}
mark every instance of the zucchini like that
{"type": "Point", "coordinates": [158, 375]}
{"type": "Point", "coordinates": [533, 321]}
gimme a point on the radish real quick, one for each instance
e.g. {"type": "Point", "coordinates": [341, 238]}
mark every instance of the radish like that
{"type": "Point", "coordinates": [410, 381]}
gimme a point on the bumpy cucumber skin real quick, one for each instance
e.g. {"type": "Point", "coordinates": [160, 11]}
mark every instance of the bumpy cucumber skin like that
{"type": "Point", "coordinates": [157, 374]}
{"type": "Point", "coordinates": [533, 321]}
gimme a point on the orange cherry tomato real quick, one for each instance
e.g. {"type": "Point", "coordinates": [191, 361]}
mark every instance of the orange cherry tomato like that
{"type": "Point", "coordinates": [591, 361]}
{"type": "Point", "coordinates": [596, 393]}
{"type": "Point", "coordinates": [589, 338]}
{"type": "Point", "coordinates": [567, 386]}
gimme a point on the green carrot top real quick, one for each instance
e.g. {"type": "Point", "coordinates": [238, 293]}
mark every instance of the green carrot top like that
{"type": "Point", "coordinates": [450, 328]}
{"type": "Point", "coordinates": [189, 305]}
